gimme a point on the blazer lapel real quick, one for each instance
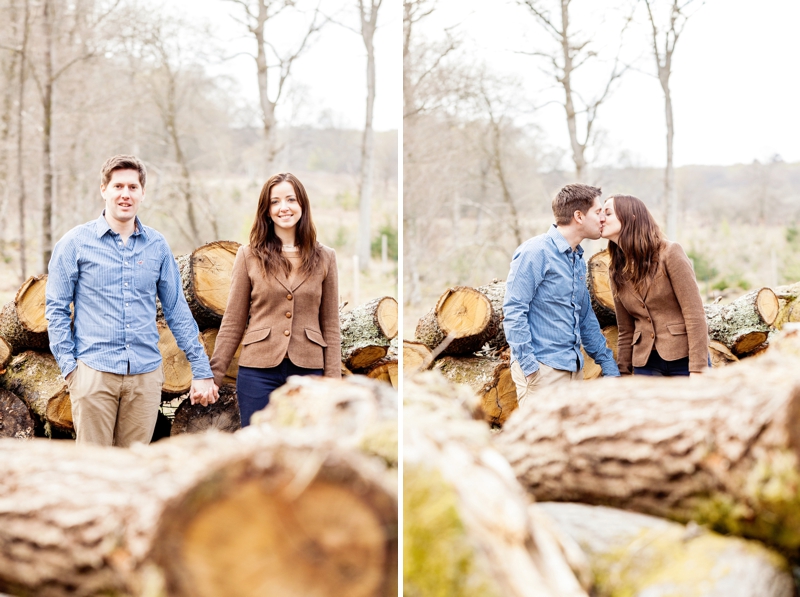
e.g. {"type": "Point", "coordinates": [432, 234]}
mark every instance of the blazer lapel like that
{"type": "Point", "coordinates": [299, 280]}
{"type": "Point", "coordinates": [283, 280]}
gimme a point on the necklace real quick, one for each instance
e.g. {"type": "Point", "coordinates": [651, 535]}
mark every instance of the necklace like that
{"type": "Point", "coordinates": [288, 246]}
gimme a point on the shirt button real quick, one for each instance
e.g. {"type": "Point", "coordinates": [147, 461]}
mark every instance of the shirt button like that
{"type": "Point", "coordinates": [286, 333]}
{"type": "Point", "coordinates": [288, 314]}
{"type": "Point", "coordinates": [127, 304]}
{"type": "Point", "coordinates": [127, 346]}
{"type": "Point", "coordinates": [126, 283]}
{"type": "Point", "coordinates": [289, 297]}
{"type": "Point", "coordinates": [642, 304]}
{"type": "Point", "coordinates": [127, 326]}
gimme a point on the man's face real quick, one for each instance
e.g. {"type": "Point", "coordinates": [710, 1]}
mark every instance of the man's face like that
{"type": "Point", "coordinates": [593, 221]}
{"type": "Point", "coordinates": [123, 194]}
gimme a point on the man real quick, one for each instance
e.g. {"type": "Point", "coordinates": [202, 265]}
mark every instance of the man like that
{"type": "Point", "coordinates": [547, 311]}
{"type": "Point", "coordinates": [111, 270]}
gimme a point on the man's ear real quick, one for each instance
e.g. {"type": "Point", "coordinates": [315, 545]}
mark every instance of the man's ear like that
{"type": "Point", "coordinates": [578, 215]}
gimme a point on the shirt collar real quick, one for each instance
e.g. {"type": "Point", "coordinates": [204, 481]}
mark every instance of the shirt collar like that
{"type": "Point", "coordinates": [101, 226]}
{"type": "Point", "coordinates": [561, 243]}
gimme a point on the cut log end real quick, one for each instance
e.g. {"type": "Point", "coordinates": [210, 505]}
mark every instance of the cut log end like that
{"type": "Point", "coordinates": [748, 342]}
{"type": "Point", "coordinates": [463, 311]}
{"type": "Point", "coordinates": [30, 304]}
{"type": "Point", "coordinates": [364, 357]}
{"type": "Point", "coordinates": [212, 265]}
{"type": "Point", "coordinates": [500, 401]}
{"type": "Point", "coordinates": [386, 315]}
{"type": "Point", "coordinates": [177, 370]}
{"type": "Point", "coordinates": [384, 371]}
{"type": "Point", "coordinates": [768, 305]}
{"type": "Point", "coordinates": [416, 356]}
{"type": "Point", "coordinates": [720, 354]}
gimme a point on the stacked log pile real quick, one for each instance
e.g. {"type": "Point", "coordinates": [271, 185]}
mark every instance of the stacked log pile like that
{"type": "Point", "coordinates": [283, 512]}
{"type": "Point", "coordinates": [28, 370]}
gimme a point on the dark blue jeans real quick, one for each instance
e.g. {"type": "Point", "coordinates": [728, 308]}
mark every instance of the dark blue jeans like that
{"type": "Point", "coordinates": [255, 384]}
{"type": "Point", "coordinates": [658, 367]}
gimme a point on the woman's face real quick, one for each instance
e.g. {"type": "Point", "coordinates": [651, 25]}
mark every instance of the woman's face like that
{"type": "Point", "coordinates": [284, 208]}
{"type": "Point", "coordinates": [612, 226]}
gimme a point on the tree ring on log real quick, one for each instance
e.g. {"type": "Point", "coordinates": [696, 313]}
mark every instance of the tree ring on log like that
{"type": "Point", "coordinates": [748, 342]}
{"type": "Point", "coordinates": [363, 357]}
{"type": "Point", "coordinates": [768, 305]}
{"type": "Point", "coordinates": [463, 311]}
{"type": "Point", "coordinates": [387, 316]}
{"type": "Point", "coordinates": [177, 370]}
{"type": "Point", "coordinates": [29, 302]}
{"type": "Point", "coordinates": [416, 356]}
{"type": "Point", "coordinates": [212, 265]}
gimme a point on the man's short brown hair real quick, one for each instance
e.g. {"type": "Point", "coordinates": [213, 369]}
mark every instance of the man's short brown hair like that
{"type": "Point", "coordinates": [572, 198]}
{"type": "Point", "coordinates": [122, 162]}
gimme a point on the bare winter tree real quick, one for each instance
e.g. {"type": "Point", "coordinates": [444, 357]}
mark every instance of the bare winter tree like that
{"type": "Point", "coordinates": [665, 34]}
{"type": "Point", "coordinates": [571, 52]}
{"type": "Point", "coordinates": [258, 14]}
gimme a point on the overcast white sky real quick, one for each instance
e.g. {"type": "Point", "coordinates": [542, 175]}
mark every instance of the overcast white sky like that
{"type": "Point", "coordinates": [736, 81]}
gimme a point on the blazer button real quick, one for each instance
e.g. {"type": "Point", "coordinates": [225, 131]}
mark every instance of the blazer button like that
{"type": "Point", "coordinates": [286, 333]}
{"type": "Point", "coordinates": [289, 297]}
{"type": "Point", "coordinates": [288, 314]}
{"type": "Point", "coordinates": [642, 304]}
{"type": "Point", "coordinates": [649, 320]}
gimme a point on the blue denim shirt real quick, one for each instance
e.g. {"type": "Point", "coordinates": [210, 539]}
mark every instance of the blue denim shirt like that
{"type": "Point", "coordinates": [113, 287]}
{"type": "Point", "coordinates": [547, 310]}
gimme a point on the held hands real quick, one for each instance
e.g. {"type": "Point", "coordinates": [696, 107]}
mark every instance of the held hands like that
{"type": "Point", "coordinates": [203, 391]}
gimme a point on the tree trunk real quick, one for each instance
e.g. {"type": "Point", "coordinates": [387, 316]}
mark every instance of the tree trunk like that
{"type": "Point", "coordinates": [721, 449]}
{"type": "Point", "coordinates": [416, 356]}
{"type": "Point", "coordinates": [467, 529]}
{"type": "Point", "coordinates": [208, 338]}
{"type": "Point", "coordinates": [489, 378]}
{"type": "Point", "coordinates": [198, 516]}
{"type": "Point", "coordinates": [206, 276]}
{"type": "Point", "coordinates": [17, 337]}
{"type": "Point", "coordinates": [634, 554]}
{"type": "Point", "coordinates": [47, 135]}
{"type": "Point", "coordinates": [15, 419]}
{"type": "Point", "coordinates": [465, 315]}
{"type": "Point", "coordinates": [599, 284]}
{"type": "Point", "coordinates": [177, 369]}
{"type": "Point", "coordinates": [367, 331]}
{"type": "Point", "coordinates": [36, 379]}
{"type": "Point", "coordinates": [592, 370]}
{"type": "Point", "coordinates": [29, 303]}
{"type": "Point", "coordinates": [22, 197]}
{"type": "Point", "coordinates": [223, 415]}
{"type": "Point", "coordinates": [746, 322]}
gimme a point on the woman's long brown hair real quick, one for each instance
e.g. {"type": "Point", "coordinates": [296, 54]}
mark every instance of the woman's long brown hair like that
{"type": "Point", "coordinates": [634, 258]}
{"type": "Point", "coordinates": [265, 243]}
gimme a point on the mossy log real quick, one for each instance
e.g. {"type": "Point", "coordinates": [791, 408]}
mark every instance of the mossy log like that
{"type": "Point", "coordinates": [195, 516]}
{"type": "Point", "coordinates": [223, 415]}
{"type": "Point", "coordinates": [208, 338]}
{"type": "Point", "coordinates": [496, 293]}
{"type": "Point", "coordinates": [206, 277]}
{"type": "Point", "coordinates": [466, 525]}
{"type": "Point", "coordinates": [462, 321]}
{"type": "Point", "coordinates": [416, 357]}
{"type": "Point", "coordinates": [721, 449]}
{"type": "Point", "coordinates": [489, 378]}
{"type": "Point", "coordinates": [36, 379]}
{"type": "Point", "coordinates": [29, 302]}
{"type": "Point", "coordinates": [367, 331]}
{"type": "Point", "coordinates": [356, 411]}
{"type": "Point", "coordinates": [15, 419]}
{"type": "Point", "coordinates": [591, 370]}
{"type": "Point", "coordinates": [15, 334]}
{"type": "Point", "coordinates": [177, 369]}
{"type": "Point", "coordinates": [599, 285]}
{"type": "Point", "coordinates": [5, 355]}
{"type": "Point", "coordinates": [745, 323]}
{"type": "Point", "coordinates": [635, 554]}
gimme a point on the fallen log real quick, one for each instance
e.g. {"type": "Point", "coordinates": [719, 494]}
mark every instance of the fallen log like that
{"type": "Point", "coordinates": [599, 284]}
{"type": "Point", "coordinates": [5, 355]}
{"type": "Point", "coordinates": [384, 370]}
{"type": "Point", "coordinates": [464, 317]}
{"type": "Point", "coordinates": [591, 370]}
{"type": "Point", "coordinates": [635, 554]}
{"type": "Point", "coordinates": [466, 525]}
{"type": "Point", "coordinates": [416, 357]}
{"type": "Point", "coordinates": [15, 419]}
{"type": "Point", "coordinates": [720, 449]}
{"type": "Point", "coordinates": [720, 354]}
{"type": "Point", "coordinates": [29, 302]}
{"type": "Point", "coordinates": [367, 331]}
{"type": "Point", "coordinates": [222, 415]}
{"type": "Point", "coordinates": [496, 293]}
{"type": "Point", "coordinates": [745, 323]}
{"type": "Point", "coordinates": [15, 334]}
{"type": "Point", "coordinates": [177, 369]}
{"type": "Point", "coordinates": [36, 379]}
{"type": "Point", "coordinates": [195, 516]}
{"type": "Point", "coordinates": [208, 338]}
{"type": "Point", "coordinates": [206, 277]}
{"type": "Point", "coordinates": [489, 378]}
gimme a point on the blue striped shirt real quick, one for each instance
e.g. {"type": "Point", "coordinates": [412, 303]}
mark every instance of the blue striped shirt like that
{"type": "Point", "coordinates": [113, 286]}
{"type": "Point", "coordinates": [547, 311]}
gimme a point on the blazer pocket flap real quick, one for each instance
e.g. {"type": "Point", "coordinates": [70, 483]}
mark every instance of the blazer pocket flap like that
{"type": "Point", "coordinates": [676, 329]}
{"type": "Point", "coordinates": [636, 336]}
{"type": "Point", "coordinates": [255, 336]}
{"type": "Point", "coordinates": [316, 337]}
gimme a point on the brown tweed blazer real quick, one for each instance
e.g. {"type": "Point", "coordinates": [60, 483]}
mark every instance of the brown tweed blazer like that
{"type": "Point", "coordinates": [273, 318]}
{"type": "Point", "coordinates": [667, 316]}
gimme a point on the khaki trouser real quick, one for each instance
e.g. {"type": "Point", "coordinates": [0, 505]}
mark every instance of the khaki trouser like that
{"type": "Point", "coordinates": [109, 409]}
{"type": "Point", "coordinates": [545, 377]}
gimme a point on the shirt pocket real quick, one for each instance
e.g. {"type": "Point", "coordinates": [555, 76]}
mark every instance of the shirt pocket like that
{"type": "Point", "coordinates": [146, 273]}
{"type": "Point", "coordinates": [636, 336]}
{"type": "Point", "coordinates": [253, 336]}
{"type": "Point", "coordinates": [676, 329]}
{"type": "Point", "coordinates": [316, 337]}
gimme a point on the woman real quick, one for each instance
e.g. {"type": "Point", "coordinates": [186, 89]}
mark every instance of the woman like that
{"type": "Point", "coordinates": [662, 324]}
{"type": "Point", "coordinates": [284, 300]}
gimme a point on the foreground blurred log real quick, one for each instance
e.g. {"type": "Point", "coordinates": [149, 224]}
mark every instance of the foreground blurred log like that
{"type": "Point", "coordinates": [599, 284]}
{"type": "Point", "coordinates": [15, 334]}
{"type": "Point", "coordinates": [745, 323]}
{"type": "Point", "coordinates": [367, 331]}
{"type": "Point", "coordinates": [36, 379]}
{"type": "Point", "coordinates": [206, 276]}
{"type": "Point", "coordinates": [15, 419]}
{"type": "Point", "coordinates": [489, 378]}
{"type": "Point", "coordinates": [634, 554]}
{"type": "Point", "coordinates": [29, 302]}
{"type": "Point", "coordinates": [223, 415]}
{"type": "Point", "coordinates": [721, 449]}
{"type": "Point", "coordinates": [195, 516]}
{"type": "Point", "coordinates": [467, 529]}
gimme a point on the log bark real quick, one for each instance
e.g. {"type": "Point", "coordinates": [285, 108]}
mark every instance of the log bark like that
{"type": "Point", "coordinates": [15, 419]}
{"type": "Point", "coordinates": [223, 415]}
{"type": "Point", "coordinates": [416, 357]}
{"type": "Point", "coordinates": [463, 319]}
{"type": "Point", "coordinates": [17, 337]}
{"type": "Point", "coordinates": [29, 302]}
{"type": "Point", "coordinates": [177, 370]}
{"type": "Point", "coordinates": [489, 378]}
{"type": "Point", "coordinates": [496, 293]}
{"type": "Point", "coordinates": [634, 554]}
{"type": "Point", "coordinates": [367, 331]}
{"type": "Point", "coordinates": [199, 515]}
{"type": "Point", "coordinates": [5, 355]}
{"type": "Point", "coordinates": [206, 276]}
{"type": "Point", "coordinates": [36, 379]}
{"type": "Point", "coordinates": [745, 323]}
{"type": "Point", "coordinates": [599, 284]}
{"type": "Point", "coordinates": [467, 528]}
{"type": "Point", "coordinates": [208, 338]}
{"type": "Point", "coordinates": [721, 449]}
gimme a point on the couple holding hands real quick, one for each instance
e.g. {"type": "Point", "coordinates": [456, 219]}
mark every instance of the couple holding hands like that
{"type": "Point", "coordinates": [104, 278]}
{"type": "Point", "coordinates": [547, 310]}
